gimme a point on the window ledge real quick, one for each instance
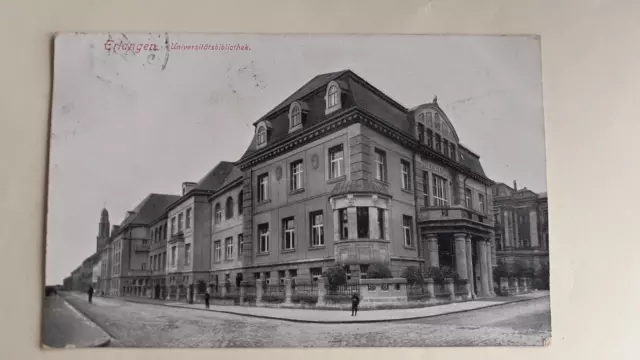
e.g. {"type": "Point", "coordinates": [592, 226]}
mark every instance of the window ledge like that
{"type": "Point", "coordinates": [262, 253]}
{"type": "Point", "coordinates": [336, 179]}
{"type": "Point", "coordinates": [318, 247]}
{"type": "Point", "coordinates": [410, 247]}
{"type": "Point", "coordinates": [407, 191]}
{"type": "Point", "coordinates": [264, 202]}
{"type": "Point", "coordinates": [381, 182]}
{"type": "Point", "coordinates": [286, 251]}
{"type": "Point", "coordinates": [296, 191]}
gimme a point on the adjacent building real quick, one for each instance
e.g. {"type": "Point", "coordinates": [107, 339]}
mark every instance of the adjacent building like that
{"type": "Point", "coordinates": [521, 222]}
{"type": "Point", "coordinates": [337, 173]}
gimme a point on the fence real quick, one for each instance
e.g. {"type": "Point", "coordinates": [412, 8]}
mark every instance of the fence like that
{"type": "Point", "coordinates": [347, 289]}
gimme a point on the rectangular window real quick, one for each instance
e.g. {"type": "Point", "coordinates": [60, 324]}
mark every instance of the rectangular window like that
{"type": "Point", "coordinates": [151, 262]}
{"type": "Point", "coordinates": [263, 187]}
{"type": "Point", "coordinates": [188, 219]}
{"type": "Point", "coordinates": [263, 235]}
{"type": "Point", "coordinates": [407, 226]}
{"type": "Point", "coordinates": [344, 224]}
{"type": "Point", "coordinates": [481, 202]}
{"type": "Point", "coordinates": [430, 138]}
{"type": "Point", "coordinates": [406, 175]}
{"type": "Point", "coordinates": [421, 133]}
{"type": "Point", "coordinates": [425, 188]}
{"type": "Point", "coordinates": [187, 254]}
{"type": "Point", "coordinates": [164, 260]}
{"type": "Point", "coordinates": [440, 191]}
{"type": "Point", "coordinates": [217, 251]}
{"type": "Point", "coordinates": [315, 273]}
{"type": "Point", "coordinates": [296, 175]}
{"type": "Point", "coordinates": [381, 165]}
{"type": "Point", "coordinates": [144, 266]}
{"type": "Point", "coordinates": [173, 225]}
{"type": "Point", "coordinates": [173, 256]}
{"type": "Point", "coordinates": [180, 222]}
{"type": "Point", "coordinates": [317, 228]}
{"type": "Point", "coordinates": [288, 234]}
{"type": "Point", "coordinates": [362, 217]}
{"type": "Point", "coordinates": [381, 228]}
{"type": "Point", "coordinates": [438, 143]}
{"type": "Point", "coordinates": [228, 245]}
{"type": "Point", "coordinates": [467, 198]}
{"type": "Point", "coordinates": [336, 161]}
{"type": "Point", "coordinates": [453, 151]}
{"type": "Point", "coordinates": [240, 245]}
{"type": "Point", "coordinates": [445, 147]}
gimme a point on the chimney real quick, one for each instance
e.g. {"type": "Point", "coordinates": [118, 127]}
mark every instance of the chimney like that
{"type": "Point", "coordinates": [515, 185]}
{"type": "Point", "coordinates": [188, 186]}
{"type": "Point", "coordinates": [129, 213]}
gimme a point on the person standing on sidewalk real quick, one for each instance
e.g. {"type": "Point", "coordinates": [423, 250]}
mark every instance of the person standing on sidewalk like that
{"type": "Point", "coordinates": [355, 301]}
{"type": "Point", "coordinates": [206, 299]}
{"type": "Point", "coordinates": [90, 293]}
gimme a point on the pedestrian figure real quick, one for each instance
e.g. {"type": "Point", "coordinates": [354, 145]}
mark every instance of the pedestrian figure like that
{"type": "Point", "coordinates": [355, 301]}
{"type": "Point", "coordinates": [206, 299]}
{"type": "Point", "coordinates": [90, 292]}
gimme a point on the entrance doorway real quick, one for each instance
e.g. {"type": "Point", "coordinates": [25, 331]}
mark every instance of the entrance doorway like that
{"type": "Point", "coordinates": [476, 267]}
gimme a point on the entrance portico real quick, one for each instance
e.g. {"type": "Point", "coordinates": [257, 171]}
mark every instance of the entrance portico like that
{"type": "Point", "coordinates": [463, 244]}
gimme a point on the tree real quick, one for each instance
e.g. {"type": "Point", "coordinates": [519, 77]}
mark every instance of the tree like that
{"type": "Point", "coordinates": [413, 275]}
{"type": "Point", "coordinates": [379, 271]}
{"type": "Point", "coordinates": [336, 276]}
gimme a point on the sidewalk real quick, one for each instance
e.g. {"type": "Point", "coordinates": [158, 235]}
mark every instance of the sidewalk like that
{"type": "Point", "coordinates": [343, 317]}
{"type": "Point", "coordinates": [64, 327]}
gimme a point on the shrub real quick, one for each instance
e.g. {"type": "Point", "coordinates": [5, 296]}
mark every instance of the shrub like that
{"type": "Point", "coordinates": [541, 277]}
{"type": "Point", "coordinates": [273, 298]}
{"type": "Point", "coordinates": [521, 268]}
{"type": "Point", "coordinates": [379, 271]}
{"type": "Point", "coordinates": [432, 273]}
{"type": "Point", "coordinates": [500, 271]}
{"type": "Point", "coordinates": [304, 298]}
{"type": "Point", "coordinates": [413, 275]}
{"type": "Point", "coordinates": [336, 276]}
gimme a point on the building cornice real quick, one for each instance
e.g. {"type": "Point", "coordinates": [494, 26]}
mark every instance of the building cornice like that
{"type": "Point", "coordinates": [226, 188]}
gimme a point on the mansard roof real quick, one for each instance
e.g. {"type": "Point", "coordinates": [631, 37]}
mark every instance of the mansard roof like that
{"type": "Point", "coordinates": [358, 94]}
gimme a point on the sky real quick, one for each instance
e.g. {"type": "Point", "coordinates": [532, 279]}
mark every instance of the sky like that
{"type": "Point", "coordinates": [129, 123]}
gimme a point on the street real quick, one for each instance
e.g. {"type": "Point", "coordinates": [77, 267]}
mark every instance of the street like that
{"type": "Point", "coordinates": [142, 325]}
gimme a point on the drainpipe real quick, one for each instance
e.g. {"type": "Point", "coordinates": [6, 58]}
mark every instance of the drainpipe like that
{"type": "Point", "coordinates": [417, 207]}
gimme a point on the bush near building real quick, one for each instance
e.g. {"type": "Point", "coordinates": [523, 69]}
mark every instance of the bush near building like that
{"type": "Point", "coordinates": [379, 271]}
{"type": "Point", "coordinates": [413, 275]}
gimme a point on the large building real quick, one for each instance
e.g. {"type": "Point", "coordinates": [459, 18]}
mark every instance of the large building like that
{"type": "Point", "coordinates": [521, 221]}
{"type": "Point", "coordinates": [337, 173]}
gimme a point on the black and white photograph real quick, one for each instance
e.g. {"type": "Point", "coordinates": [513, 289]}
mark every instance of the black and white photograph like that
{"type": "Point", "coordinates": [295, 191]}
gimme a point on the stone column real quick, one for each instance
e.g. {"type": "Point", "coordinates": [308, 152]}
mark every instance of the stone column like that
{"type": "Point", "coordinates": [450, 287]}
{"type": "Point", "coordinates": [374, 230]}
{"type": "Point", "coordinates": [387, 225]}
{"type": "Point", "coordinates": [533, 228]}
{"type": "Point", "coordinates": [460, 192]}
{"type": "Point", "coordinates": [336, 225]}
{"type": "Point", "coordinates": [516, 237]}
{"type": "Point", "coordinates": [259, 291]}
{"type": "Point", "coordinates": [352, 221]}
{"type": "Point", "coordinates": [177, 293]}
{"type": "Point", "coordinates": [484, 274]}
{"type": "Point", "coordinates": [321, 291]}
{"type": "Point", "coordinates": [287, 290]}
{"type": "Point", "coordinates": [432, 248]}
{"type": "Point", "coordinates": [223, 290]}
{"type": "Point", "coordinates": [461, 256]}
{"type": "Point", "coordinates": [470, 278]}
{"type": "Point", "coordinates": [490, 268]}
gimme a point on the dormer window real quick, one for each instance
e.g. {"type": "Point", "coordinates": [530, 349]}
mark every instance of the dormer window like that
{"type": "Point", "coordinates": [262, 135]}
{"type": "Point", "coordinates": [297, 114]}
{"type": "Point", "coordinates": [421, 133]}
{"type": "Point", "coordinates": [333, 97]}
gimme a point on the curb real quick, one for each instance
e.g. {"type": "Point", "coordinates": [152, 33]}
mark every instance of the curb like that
{"type": "Point", "coordinates": [338, 321]}
{"type": "Point", "coordinates": [99, 343]}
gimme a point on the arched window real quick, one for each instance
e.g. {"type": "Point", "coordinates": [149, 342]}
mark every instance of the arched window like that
{"type": "Point", "coordinates": [296, 116]}
{"type": "Point", "coordinates": [218, 214]}
{"type": "Point", "coordinates": [229, 208]}
{"type": "Point", "coordinates": [332, 96]}
{"type": "Point", "coordinates": [240, 207]}
{"type": "Point", "coordinates": [262, 135]}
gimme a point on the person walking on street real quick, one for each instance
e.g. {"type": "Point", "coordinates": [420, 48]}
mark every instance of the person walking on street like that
{"type": "Point", "coordinates": [90, 293]}
{"type": "Point", "coordinates": [206, 299]}
{"type": "Point", "coordinates": [355, 301]}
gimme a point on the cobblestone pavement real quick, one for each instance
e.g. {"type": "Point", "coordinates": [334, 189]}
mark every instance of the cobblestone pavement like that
{"type": "Point", "coordinates": [143, 325]}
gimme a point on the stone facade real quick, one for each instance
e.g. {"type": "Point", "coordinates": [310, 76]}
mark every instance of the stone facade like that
{"type": "Point", "coordinates": [521, 225]}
